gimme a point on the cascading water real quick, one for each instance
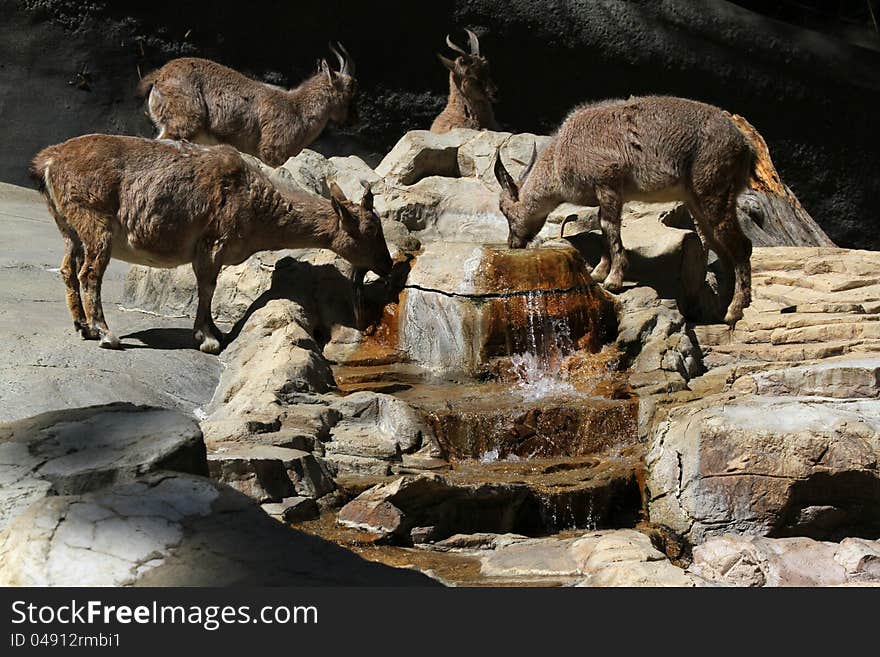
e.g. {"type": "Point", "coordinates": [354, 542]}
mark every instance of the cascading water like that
{"type": "Point", "coordinates": [494, 347]}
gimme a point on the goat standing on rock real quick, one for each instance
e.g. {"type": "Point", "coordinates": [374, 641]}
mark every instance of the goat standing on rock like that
{"type": "Point", "coordinates": [166, 203]}
{"type": "Point", "coordinates": [471, 90]}
{"type": "Point", "coordinates": [202, 101]}
{"type": "Point", "coordinates": [646, 149]}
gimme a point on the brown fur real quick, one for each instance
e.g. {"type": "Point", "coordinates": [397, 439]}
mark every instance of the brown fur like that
{"type": "Point", "coordinates": [471, 92]}
{"type": "Point", "coordinates": [166, 203]}
{"type": "Point", "coordinates": [653, 149]}
{"type": "Point", "coordinates": [202, 101]}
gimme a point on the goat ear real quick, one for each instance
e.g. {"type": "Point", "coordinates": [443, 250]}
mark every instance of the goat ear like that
{"type": "Point", "coordinates": [325, 69]}
{"type": "Point", "coordinates": [448, 63]}
{"type": "Point", "coordinates": [336, 192]}
{"type": "Point", "coordinates": [347, 221]}
{"type": "Point", "coordinates": [367, 200]}
{"type": "Point", "coordinates": [508, 184]}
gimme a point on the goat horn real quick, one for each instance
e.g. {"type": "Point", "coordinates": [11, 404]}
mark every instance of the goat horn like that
{"type": "Point", "coordinates": [349, 61]}
{"type": "Point", "coordinates": [571, 217]}
{"type": "Point", "coordinates": [473, 41]}
{"type": "Point", "coordinates": [531, 163]}
{"type": "Point", "coordinates": [453, 46]}
{"type": "Point", "coordinates": [338, 57]}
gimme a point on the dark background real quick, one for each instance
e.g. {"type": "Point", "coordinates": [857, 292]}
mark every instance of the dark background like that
{"type": "Point", "coordinates": [805, 73]}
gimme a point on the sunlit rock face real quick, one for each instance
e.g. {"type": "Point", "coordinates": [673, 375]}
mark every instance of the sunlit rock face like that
{"type": "Point", "coordinates": [466, 304]}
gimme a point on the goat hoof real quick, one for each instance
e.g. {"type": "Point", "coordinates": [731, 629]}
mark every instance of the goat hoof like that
{"type": "Point", "coordinates": [88, 333]}
{"type": "Point", "coordinates": [109, 341]}
{"type": "Point", "coordinates": [210, 346]}
{"type": "Point", "coordinates": [598, 275]}
{"type": "Point", "coordinates": [732, 317]}
{"type": "Point", "coordinates": [612, 285]}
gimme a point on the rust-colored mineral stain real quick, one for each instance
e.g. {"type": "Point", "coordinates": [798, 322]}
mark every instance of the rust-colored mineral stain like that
{"type": "Point", "coordinates": [522, 270]}
{"type": "Point", "coordinates": [380, 345]}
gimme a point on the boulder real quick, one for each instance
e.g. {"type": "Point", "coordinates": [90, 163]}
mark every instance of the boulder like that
{"type": "Point", "coordinates": [419, 508]}
{"type": "Point", "coordinates": [171, 529]}
{"type": "Point", "coordinates": [309, 170]}
{"type": "Point", "coordinates": [765, 465]}
{"type": "Point", "coordinates": [443, 208]}
{"type": "Point", "coordinates": [293, 509]}
{"type": "Point", "coordinates": [267, 473]}
{"type": "Point", "coordinates": [273, 358]}
{"type": "Point", "coordinates": [476, 158]}
{"type": "Point", "coordinates": [80, 450]}
{"type": "Point", "coordinates": [421, 153]}
{"type": "Point", "coordinates": [622, 557]}
{"type": "Point", "coordinates": [374, 425]}
{"type": "Point", "coordinates": [756, 561]}
{"type": "Point", "coordinates": [846, 377]}
{"type": "Point", "coordinates": [350, 173]}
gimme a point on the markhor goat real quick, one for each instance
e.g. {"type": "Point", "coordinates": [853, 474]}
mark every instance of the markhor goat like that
{"type": "Point", "coordinates": [167, 203]}
{"type": "Point", "coordinates": [204, 102]}
{"type": "Point", "coordinates": [471, 90]}
{"type": "Point", "coordinates": [647, 149]}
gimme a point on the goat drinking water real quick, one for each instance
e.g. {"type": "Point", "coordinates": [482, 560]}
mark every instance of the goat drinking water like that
{"type": "Point", "coordinates": [166, 203]}
{"type": "Point", "coordinates": [646, 149]}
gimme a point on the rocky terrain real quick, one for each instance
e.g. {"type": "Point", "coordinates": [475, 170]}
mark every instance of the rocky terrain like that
{"type": "Point", "coordinates": [486, 417]}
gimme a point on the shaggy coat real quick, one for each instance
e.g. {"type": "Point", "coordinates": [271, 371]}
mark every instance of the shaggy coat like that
{"type": "Point", "coordinates": [471, 91]}
{"type": "Point", "coordinates": [649, 149]}
{"type": "Point", "coordinates": [202, 101]}
{"type": "Point", "coordinates": [167, 203]}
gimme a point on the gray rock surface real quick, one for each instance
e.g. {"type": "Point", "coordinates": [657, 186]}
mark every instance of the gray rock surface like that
{"type": "Point", "coordinates": [169, 529]}
{"type": "Point", "coordinates": [80, 450]}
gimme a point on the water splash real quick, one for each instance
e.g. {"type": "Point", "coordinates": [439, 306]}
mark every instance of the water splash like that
{"type": "Point", "coordinates": [535, 380]}
{"type": "Point", "coordinates": [547, 341]}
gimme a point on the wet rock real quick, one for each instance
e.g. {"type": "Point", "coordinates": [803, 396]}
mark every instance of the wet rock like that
{"type": "Point", "coordinates": [373, 426]}
{"type": "Point", "coordinates": [269, 474]}
{"type": "Point", "coordinates": [420, 153]}
{"type": "Point", "coordinates": [466, 303]}
{"type": "Point", "coordinates": [80, 450]}
{"type": "Point", "coordinates": [528, 496]}
{"type": "Point", "coordinates": [169, 529]}
{"type": "Point", "coordinates": [394, 509]}
{"type": "Point", "coordinates": [755, 561]}
{"type": "Point", "coordinates": [758, 465]}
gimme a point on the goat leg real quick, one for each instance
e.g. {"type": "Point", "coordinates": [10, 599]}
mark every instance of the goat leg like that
{"type": "Point", "coordinates": [91, 274]}
{"type": "Point", "coordinates": [205, 331]}
{"type": "Point", "coordinates": [610, 207]}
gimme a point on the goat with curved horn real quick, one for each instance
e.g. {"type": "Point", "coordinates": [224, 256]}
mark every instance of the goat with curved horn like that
{"type": "Point", "coordinates": [471, 90]}
{"type": "Point", "coordinates": [473, 41]}
{"type": "Point", "coordinates": [188, 99]}
{"type": "Point", "coordinates": [346, 63]}
{"type": "Point", "coordinates": [454, 47]}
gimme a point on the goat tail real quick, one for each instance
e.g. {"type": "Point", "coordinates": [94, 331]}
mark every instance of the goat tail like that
{"type": "Point", "coordinates": [38, 167]}
{"type": "Point", "coordinates": [145, 85]}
